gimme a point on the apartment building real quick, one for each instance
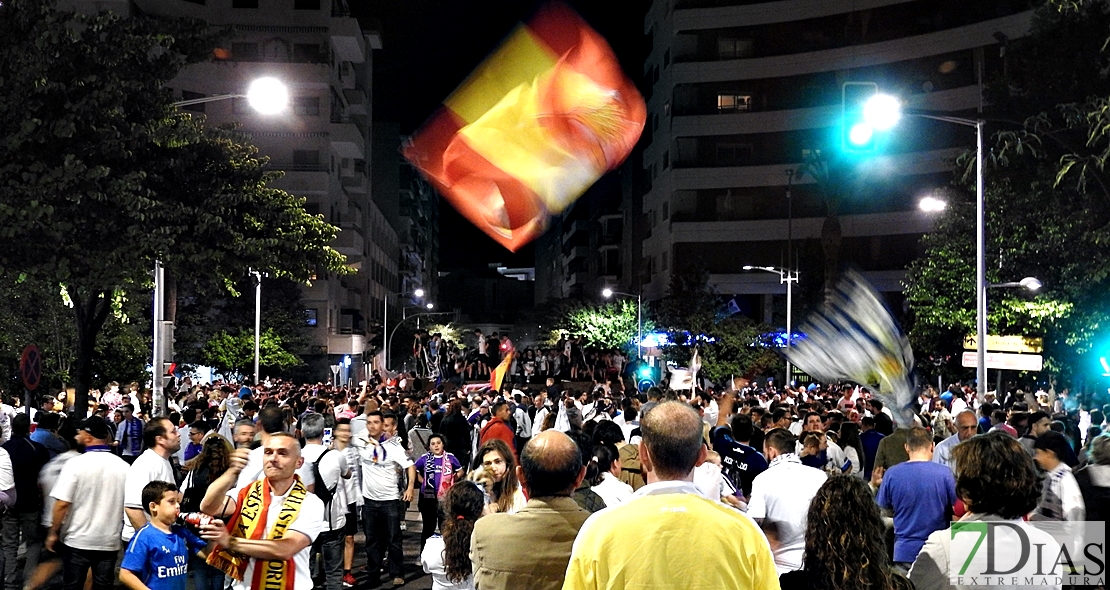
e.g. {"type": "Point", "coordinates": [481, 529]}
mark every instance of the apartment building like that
{"type": "Point", "coordinates": [740, 93]}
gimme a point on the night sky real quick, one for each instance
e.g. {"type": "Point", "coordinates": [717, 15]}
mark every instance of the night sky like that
{"type": "Point", "coordinates": [429, 48]}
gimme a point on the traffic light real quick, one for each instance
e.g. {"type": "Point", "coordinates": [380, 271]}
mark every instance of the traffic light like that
{"type": "Point", "coordinates": [866, 117]}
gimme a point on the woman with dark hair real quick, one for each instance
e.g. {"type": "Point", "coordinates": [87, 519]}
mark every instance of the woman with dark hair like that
{"type": "Point", "coordinates": [457, 431]}
{"type": "Point", "coordinates": [845, 548]}
{"type": "Point", "coordinates": [447, 557]}
{"type": "Point", "coordinates": [853, 447]}
{"type": "Point", "coordinates": [997, 481]}
{"type": "Point", "coordinates": [495, 469]}
{"type": "Point", "coordinates": [214, 459]}
{"type": "Point", "coordinates": [432, 469]}
{"type": "Point", "coordinates": [607, 484]}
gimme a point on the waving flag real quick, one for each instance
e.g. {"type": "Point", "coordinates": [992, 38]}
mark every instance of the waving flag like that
{"type": "Point", "coordinates": [532, 128]}
{"type": "Point", "coordinates": [855, 338]}
{"type": "Point", "coordinates": [497, 375]}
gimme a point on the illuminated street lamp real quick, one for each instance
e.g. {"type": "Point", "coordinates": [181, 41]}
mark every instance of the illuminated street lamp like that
{"type": "Point", "coordinates": [418, 293]}
{"type": "Point", "coordinates": [268, 96]}
{"type": "Point", "coordinates": [932, 205]}
{"type": "Point", "coordinates": [882, 109]}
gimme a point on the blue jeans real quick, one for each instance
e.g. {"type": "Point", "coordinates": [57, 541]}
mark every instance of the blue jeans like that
{"type": "Point", "coordinates": [381, 522]}
{"type": "Point", "coordinates": [15, 525]}
{"type": "Point", "coordinates": [327, 555]}
{"type": "Point", "coordinates": [205, 577]}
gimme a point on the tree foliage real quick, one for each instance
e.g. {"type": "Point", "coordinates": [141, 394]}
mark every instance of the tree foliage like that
{"type": "Point", "coordinates": [605, 325]}
{"type": "Point", "coordinates": [692, 315]}
{"type": "Point", "coordinates": [232, 354]}
{"type": "Point", "coordinates": [100, 177]}
{"type": "Point", "coordinates": [1048, 208]}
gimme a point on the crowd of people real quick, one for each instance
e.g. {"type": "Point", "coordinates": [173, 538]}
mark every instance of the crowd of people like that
{"type": "Point", "coordinates": [568, 359]}
{"type": "Point", "coordinates": [533, 486]}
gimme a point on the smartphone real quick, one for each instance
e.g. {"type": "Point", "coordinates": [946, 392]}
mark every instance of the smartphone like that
{"type": "Point", "coordinates": [327, 437]}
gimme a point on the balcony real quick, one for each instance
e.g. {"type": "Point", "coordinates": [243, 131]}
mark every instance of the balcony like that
{"type": "Point", "coordinates": [347, 141]}
{"type": "Point", "coordinates": [576, 253]}
{"type": "Point", "coordinates": [579, 278]}
{"type": "Point", "coordinates": [347, 40]}
{"type": "Point", "coordinates": [357, 101]}
{"type": "Point", "coordinates": [352, 344]}
{"type": "Point", "coordinates": [350, 243]}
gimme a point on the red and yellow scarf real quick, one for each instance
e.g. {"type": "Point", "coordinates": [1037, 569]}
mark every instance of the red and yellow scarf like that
{"type": "Point", "coordinates": [249, 522]}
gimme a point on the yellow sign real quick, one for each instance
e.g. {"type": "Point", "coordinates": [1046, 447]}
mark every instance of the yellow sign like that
{"type": "Point", "coordinates": [1007, 343]}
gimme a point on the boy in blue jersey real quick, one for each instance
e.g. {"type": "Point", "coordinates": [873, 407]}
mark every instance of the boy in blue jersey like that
{"type": "Point", "coordinates": [157, 557]}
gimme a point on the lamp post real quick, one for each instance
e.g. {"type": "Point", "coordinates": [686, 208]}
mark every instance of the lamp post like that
{"type": "Point", "coordinates": [607, 293]}
{"type": "Point", "coordinates": [407, 318]}
{"type": "Point", "coordinates": [789, 277]}
{"type": "Point", "coordinates": [268, 96]}
{"type": "Point", "coordinates": [418, 293]}
{"type": "Point", "coordinates": [883, 111]}
{"type": "Point", "coordinates": [1031, 283]}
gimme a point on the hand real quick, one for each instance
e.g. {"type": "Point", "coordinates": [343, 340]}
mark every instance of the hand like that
{"type": "Point", "coordinates": [407, 496]}
{"type": "Point", "coordinates": [877, 477]}
{"type": "Point", "coordinates": [51, 542]}
{"type": "Point", "coordinates": [239, 460]}
{"type": "Point", "coordinates": [216, 532]}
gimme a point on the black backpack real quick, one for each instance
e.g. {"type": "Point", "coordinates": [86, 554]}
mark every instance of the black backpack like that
{"type": "Point", "coordinates": [322, 490]}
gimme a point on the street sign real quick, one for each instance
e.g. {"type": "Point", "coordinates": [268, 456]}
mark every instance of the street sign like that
{"type": "Point", "coordinates": [1006, 361]}
{"type": "Point", "coordinates": [30, 367]}
{"type": "Point", "coordinates": [1006, 343]}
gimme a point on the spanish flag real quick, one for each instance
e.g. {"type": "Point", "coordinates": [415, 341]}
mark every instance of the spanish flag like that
{"type": "Point", "coordinates": [497, 375]}
{"type": "Point", "coordinates": [531, 129]}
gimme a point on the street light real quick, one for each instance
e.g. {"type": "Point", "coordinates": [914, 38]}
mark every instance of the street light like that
{"type": "Point", "coordinates": [1031, 283]}
{"type": "Point", "coordinates": [789, 277]}
{"type": "Point", "coordinates": [607, 293]}
{"type": "Point", "coordinates": [268, 96]}
{"type": "Point", "coordinates": [418, 293]}
{"type": "Point", "coordinates": [257, 320]}
{"type": "Point", "coordinates": [932, 205]}
{"type": "Point", "coordinates": [883, 108]}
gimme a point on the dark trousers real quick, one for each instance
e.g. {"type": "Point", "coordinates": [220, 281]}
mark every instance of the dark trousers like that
{"type": "Point", "coordinates": [15, 525]}
{"type": "Point", "coordinates": [77, 562]}
{"type": "Point", "coordinates": [381, 523]}
{"type": "Point", "coordinates": [429, 516]}
{"type": "Point", "coordinates": [326, 560]}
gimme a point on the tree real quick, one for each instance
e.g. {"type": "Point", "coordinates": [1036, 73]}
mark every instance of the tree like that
{"type": "Point", "coordinates": [100, 177]}
{"type": "Point", "coordinates": [606, 325]}
{"type": "Point", "coordinates": [694, 316]}
{"type": "Point", "coordinates": [1047, 201]}
{"type": "Point", "coordinates": [233, 354]}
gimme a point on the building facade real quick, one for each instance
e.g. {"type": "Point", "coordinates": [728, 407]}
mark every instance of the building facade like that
{"type": "Point", "coordinates": [741, 94]}
{"type": "Point", "coordinates": [322, 143]}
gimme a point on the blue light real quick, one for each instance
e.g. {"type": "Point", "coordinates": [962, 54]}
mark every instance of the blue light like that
{"type": "Point", "coordinates": [347, 360]}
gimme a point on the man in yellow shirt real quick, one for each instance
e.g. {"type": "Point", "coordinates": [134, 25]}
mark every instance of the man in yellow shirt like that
{"type": "Point", "coordinates": [667, 535]}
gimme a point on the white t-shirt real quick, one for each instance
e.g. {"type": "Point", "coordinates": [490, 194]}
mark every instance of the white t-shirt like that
{"type": "Point", "coordinates": [332, 467]}
{"type": "Point", "coordinates": [47, 478]}
{"type": "Point", "coordinates": [148, 467]}
{"type": "Point", "coordinates": [380, 465]}
{"type": "Point", "coordinates": [7, 476]}
{"type": "Point", "coordinates": [353, 485]}
{"type": "Point", "coordinates": [183, 433]}
{"type": "Point", "coordinates": [94, 486]}
{"type": "Point", "coordinates": [309, 521]}
{"type": "Point", "coordinates": [781, 496]}
{"type": "Point", "coordinates": [612, 490]}
{"type": "Point", "coordinates": [431, 559]}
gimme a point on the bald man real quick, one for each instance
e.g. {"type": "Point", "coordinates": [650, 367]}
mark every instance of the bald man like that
{"type": "Point", "coordinates": [530, 549]}
{"type": "Point", "coordinates": [621, 547]}
{"type": "Point", "coordinates": [967, 426]}
{"type": "Point", "coordinates": [279, 555]}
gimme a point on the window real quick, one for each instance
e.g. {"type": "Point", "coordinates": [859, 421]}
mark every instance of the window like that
{"type": "Point", "coordinates": [734, 102]}
{"type": "Point", "coordinates": [733, 154]}
{"type": "Point", "coordinates": [666, 164]}
{"type": "Point", "coordinates": [244, 51]}
{"type": "Point", "coordinates": [663, 261]}
{"type": "Point", "coordinates": [307, 53]}
{"type": "Point", "coordinates": [306, 105]}
{"type": "Point", "coordinates": [306, 157]}
{"type": "Point", "coordinates": [734, 48]}
{"type": "Point", "coordinates": [196, 108]}
{"type": "Point", "coordinates": [306, 4]}
{"type": "Point", "coordinates": [310, 317]}
{"type": "Point", "coordinates": [244, 3]}
{"type": "Point", "coordinates": [666, 210]}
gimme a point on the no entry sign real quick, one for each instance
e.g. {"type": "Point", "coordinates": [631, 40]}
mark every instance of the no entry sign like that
{"type": "Point", "coordinates": [30, 367]}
